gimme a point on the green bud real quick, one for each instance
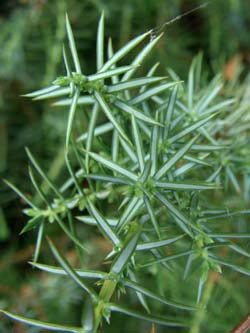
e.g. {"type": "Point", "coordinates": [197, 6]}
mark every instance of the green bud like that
{"type": "Point", "coordinates": [215, 267]}
{"type": "Point", "coordinates": [106, 314]}
{"type": "Point", "coordinates": [79, 79]}
{"type": "Point", "coordinates": [31, 212]}
{"type": "Point", "coordinates": [62, 81]}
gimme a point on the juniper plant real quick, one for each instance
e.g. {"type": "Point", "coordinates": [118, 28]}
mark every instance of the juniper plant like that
{"type": "Point", "coordinates": [150, 161]}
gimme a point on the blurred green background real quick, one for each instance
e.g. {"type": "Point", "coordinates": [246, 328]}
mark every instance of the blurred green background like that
{"type": "Point", "coordinates": [31, 37]}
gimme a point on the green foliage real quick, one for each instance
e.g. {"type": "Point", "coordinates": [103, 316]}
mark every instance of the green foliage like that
{"type": "Point", "coordinates": [155, 154]}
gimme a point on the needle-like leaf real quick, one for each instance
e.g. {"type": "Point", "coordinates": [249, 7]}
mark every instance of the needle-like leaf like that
{"type": "Point", "coordinates": [92, 221]}
{"type": "Point", "coordinates": [133, 206]}
{"type": "Point", "coordinates": [234, 267]}
{"type": "Point", "coordinates": [100, 43]}
{"type": "Point", "coordinates": [140, 296]}
{"type": "Point", "coordinates": [73, 46]}
{"type": "Point", "coordinates": [126, 107]}
{"type": "Point", "coordinates": [204, 102]}
{"type": "Point", "coordinates": [41, 324]}
{"type": "Point", "coordinates": [123, 51]}
{"type": "Point", "coordinates": [229, 235]}
{"type": "Point", "coordinates": [103, 104]}
{"type": "Point", "coordinates": [168, 258]}
{"type": "Point", "coordinates": [152, 92]}
{"type": "Point", "coordinates": [33, 223]}
{"type": "Point", "coordinates": [42, 173]}
{"type": "Point", "coordinates": [138, 143]}
{"type": "Point", "coordinates": [125, 254]}
{"type": "Point", "coordinates": [191, 85]}
{"type": "Point", "coordinates": [152, 215]}
{"type": "Point", "coordinates": [20, 194]}
{"type": "Point", "coordinates": [72, 112]}
{"type": "Point", "coordinates": [108, 179]}
{"type": "Point", "coordinates": [133, 84]}
{"type": "Point", "coordinates": [196, 186]}
{"type": "Point", "coordinates": [39, 239]}
{"type": "Point", "coordinates": [37, 187]}
{"type": "Point", "coordinates": [153, 319]}
{"type": "Point", "coordinates": [153, 245]}
{"type": "Point", "coordinates": [114, 78]}
{"type": "Point", "coordinates": [53, 94]}
{"type": "Point", "coordinates": [173, 210]}
{"type": "Point", "coordinates": [115, 146]}
{"type": "Point", "coordinates": [70, 271]}
{"type": "Point", "coordinates": [113, 166]}
{"type": "Point", "coordinates": [42, 91]}
{"type": "Point", "coordinates": [141, 56]}
{"type": "Point", "coordinates": [173, 160]}
{"type": "Point", "coordinates": [88, 321]}
{"type": "Point", "coordinates": [107, 127]}
{"type": "Point", "coordinates": [87, 274]}
{"type": "Point", "coordinates": [170, 110]}
{"type": "Point", "coordinates": [154, 147]}
{"type": "Point", "coordinates": [219, 106]}
{"type": "Point", "coordinates": [90, 133]}
{"type": "Point", "coordinates": [69, 233]}
{"type": "Point", "coordinates": [103, 225]}
{"type": "Point", "coordinates": [190, 129]}
{"type": "Point", "coordinates": [108, 74]}
{"type": "Point", "coordinates": [152, 295]}
{"type": "Point", "coordinates": [82, 100]}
